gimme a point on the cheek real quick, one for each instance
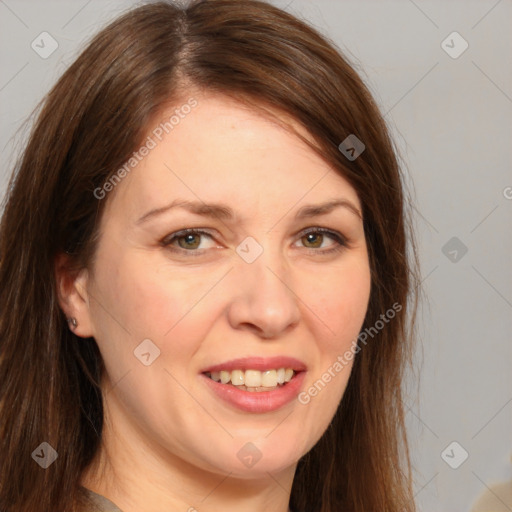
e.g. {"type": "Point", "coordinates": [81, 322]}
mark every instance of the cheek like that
{"type": "Point", "coordinates": [148, 299]}
{"type": "Point", "coordinates": [137, 301]}
{"type": "Point", "coordinates": [341, 302]}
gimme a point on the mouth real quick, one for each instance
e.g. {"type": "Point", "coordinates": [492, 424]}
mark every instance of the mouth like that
{"type": "Point", "coordinates": [256, 384]}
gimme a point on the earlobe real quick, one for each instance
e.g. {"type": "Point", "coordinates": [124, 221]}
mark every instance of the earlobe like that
{"type": "Point", "coordinates": [72, 294]}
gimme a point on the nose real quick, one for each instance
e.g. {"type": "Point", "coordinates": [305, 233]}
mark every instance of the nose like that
{"type": "Point", "coordinates": [264, 301]}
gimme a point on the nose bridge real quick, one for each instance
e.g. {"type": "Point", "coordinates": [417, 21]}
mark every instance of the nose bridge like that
{"type": "Point", "coordinates": [264, 298]}
{"type": "Point", "coordinates": [263, 260]}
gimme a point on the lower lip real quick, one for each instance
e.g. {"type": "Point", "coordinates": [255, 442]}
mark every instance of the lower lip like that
{"type": "Point", "coordinates": [257, 401]}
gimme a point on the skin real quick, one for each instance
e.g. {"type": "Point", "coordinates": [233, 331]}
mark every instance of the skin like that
{"type": "Point", "coordinates": [168, 442]}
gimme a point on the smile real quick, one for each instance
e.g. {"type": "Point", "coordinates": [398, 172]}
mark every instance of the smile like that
{"type": "Point", "coordinates": [256, 384]}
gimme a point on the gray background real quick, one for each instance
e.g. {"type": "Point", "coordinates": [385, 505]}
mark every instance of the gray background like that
{"type": "Point", "coordinates": [451, 118]}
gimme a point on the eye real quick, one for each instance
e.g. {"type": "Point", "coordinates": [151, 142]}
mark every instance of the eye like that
{"type": "Point", "coordinates": [188, 240]}
{"type": "Point", "coordinates": [313, 239]}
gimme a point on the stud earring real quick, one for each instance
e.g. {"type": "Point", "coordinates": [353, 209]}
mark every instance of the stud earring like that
{"type": "Point", "coordinates": [73, 323]}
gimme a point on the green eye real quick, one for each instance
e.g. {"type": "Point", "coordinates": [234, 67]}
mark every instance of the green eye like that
{"type": "Point", "coordinates": [188, 241]}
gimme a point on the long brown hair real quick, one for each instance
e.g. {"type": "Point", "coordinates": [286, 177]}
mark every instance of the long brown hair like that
{"type": "Point", "coordinates": [89, 125]}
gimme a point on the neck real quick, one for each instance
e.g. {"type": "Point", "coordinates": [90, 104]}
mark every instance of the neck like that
{"type": "Point", "coordinates": [136, 476]}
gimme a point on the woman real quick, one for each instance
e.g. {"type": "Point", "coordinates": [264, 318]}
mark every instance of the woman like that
{"type": "Point", "coordinates": [203, 280]}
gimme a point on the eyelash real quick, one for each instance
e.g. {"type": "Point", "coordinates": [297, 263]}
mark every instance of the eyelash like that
{"type": "Point", "coordinates": [340, 245]}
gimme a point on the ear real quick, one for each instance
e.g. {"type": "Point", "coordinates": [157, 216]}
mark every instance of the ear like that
{"type": "Point", "coordinates": [72, 295]}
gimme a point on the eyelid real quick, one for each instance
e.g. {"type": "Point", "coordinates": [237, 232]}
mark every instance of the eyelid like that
{"type": "Point", "coordinates": [327, 231]}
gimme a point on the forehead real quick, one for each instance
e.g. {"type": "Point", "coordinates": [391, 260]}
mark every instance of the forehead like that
{"type": "Point", "coordinates": [222, 150]}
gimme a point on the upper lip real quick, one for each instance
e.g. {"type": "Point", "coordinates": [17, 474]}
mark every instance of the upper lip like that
{"type": "Point", "coordinates": [257, 363]}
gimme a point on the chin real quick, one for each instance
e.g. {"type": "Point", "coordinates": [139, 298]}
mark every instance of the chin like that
{"type": "Point", "coordinates": [252, 460]}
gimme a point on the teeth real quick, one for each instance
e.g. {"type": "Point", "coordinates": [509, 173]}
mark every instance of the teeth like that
{"type": "Point", "coordinates": [251, 379]}
{"type": "Point", "coordinates": [269, 378]}
{"type": "Point", "coordinates": [238, 377]}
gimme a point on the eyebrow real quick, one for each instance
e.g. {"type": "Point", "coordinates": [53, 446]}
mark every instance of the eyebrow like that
{"type": "Point", "coordinates": [224, 212]}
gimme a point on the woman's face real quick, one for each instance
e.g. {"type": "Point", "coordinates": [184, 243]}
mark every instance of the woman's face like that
{"type": "Point", "coordinates": [251, 291]}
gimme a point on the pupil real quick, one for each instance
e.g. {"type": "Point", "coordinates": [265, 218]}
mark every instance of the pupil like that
{"type": "Point", "coordinates": [189, 239]}
{"type": "Point", "coordinates": [312, 237]}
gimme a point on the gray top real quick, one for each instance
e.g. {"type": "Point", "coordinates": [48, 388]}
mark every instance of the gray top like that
{"type": "Point", "coordinates": [98, 503]}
